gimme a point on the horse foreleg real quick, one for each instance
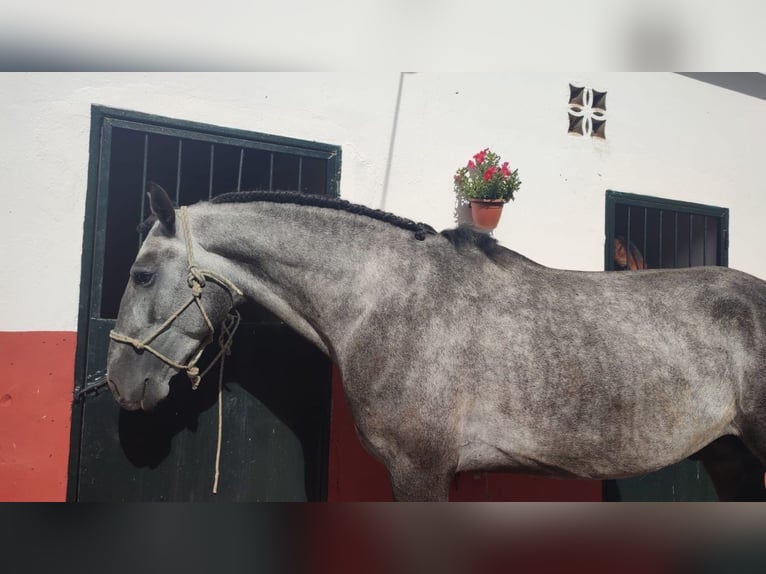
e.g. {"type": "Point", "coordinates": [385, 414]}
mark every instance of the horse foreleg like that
{"type": "Point", "coordinates": [412, 483]}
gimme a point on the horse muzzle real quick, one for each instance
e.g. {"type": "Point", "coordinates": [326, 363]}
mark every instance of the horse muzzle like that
{"type": "Point", "coordinates": [141, 395]}
{"type": "Point", "coordinates": [125, 403]}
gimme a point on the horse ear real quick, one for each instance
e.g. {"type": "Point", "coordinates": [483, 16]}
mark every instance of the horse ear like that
{"type": "Point", "coordinates": [163, 208]}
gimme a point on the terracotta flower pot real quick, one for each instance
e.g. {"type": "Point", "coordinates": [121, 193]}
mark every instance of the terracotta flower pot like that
{"type": "Point", "coordinates": [486, 212]}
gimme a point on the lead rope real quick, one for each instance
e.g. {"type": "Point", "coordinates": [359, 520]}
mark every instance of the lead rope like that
{"type": "Point", "coordinates": [220, 429]}
{"type": "Point", "coordinates": [225, 339]}
{"type": "Point", "coordinates": [196, 281]}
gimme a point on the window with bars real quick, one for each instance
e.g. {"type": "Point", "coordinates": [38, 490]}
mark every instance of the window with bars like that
{"type": "Point", "coordinates": [193, 162]}
{"type": "Point", "coordinates": [645, 232]}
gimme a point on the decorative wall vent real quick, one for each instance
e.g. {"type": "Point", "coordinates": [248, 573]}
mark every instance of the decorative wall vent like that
{"type": "Point", "coordinates": [587, 112]}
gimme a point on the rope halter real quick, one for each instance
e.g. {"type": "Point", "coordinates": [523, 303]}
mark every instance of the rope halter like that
{"type": "Point", "coordinates": [196, 279]}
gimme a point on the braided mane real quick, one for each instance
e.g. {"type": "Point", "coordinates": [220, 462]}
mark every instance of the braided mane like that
{"type": "Point", "coordinates": [419, 229]}
{"type": "Point", "coordinates": [461, 238]}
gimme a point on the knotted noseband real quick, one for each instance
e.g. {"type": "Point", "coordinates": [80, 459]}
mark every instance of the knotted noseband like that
{"type": "Point", "coordinates": [196, 280]}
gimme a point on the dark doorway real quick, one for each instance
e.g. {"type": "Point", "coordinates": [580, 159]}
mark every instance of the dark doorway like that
{"type": "Point", "coordinates": [276, 400]}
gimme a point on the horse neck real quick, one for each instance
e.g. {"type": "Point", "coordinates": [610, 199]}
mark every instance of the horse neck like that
{"type": "Point", "coordinates": [318, 269]}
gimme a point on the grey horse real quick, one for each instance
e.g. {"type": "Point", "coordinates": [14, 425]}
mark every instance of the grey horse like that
{"type": "Point", "coordinates": [456, 353]}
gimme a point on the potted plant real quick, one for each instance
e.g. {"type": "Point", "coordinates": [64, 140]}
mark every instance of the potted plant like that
{"type": "Point", "coordinates": [488, 185]}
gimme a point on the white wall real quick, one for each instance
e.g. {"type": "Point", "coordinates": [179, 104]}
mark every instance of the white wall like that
{"type": "Point", "coordinates": [667, 135]}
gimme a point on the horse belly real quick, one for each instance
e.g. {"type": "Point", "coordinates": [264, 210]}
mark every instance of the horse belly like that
{"type": "Point", "coordinates": [609, 443]}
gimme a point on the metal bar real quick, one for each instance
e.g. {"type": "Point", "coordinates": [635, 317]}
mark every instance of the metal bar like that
{"type": "Point", "coordinates": [143, 186]}
{"type": "Point", "coordinates": [239, 174]}
{"type": "Point", "coordinates": [704, 241]}
{"type": "Point", "coordinates": [102, 205]}
{"type": "Point", "coordinates": [646, 217]}
{"type": "Point", "coordinates": [675, 240]}
{"type": "Point", "coordinates": [300, 172]}
{"type": "Point", "coordinates": [609, 232]}
{"type": "Point", "coordinates": [101, 382]}
{"type": "Point", "coordinates": [264, 142]}
{"type": "Point", "coordinates": [271, 171]}
{"type": "Point", "coordinates": [332, 174]}
{"type": "Point", "coordinates": [660, 237]}
{"type": "Point", "coordinates": [178, 171]}
{"type": "Point", "coordinates": [691, 227]}
{"type": "Point", "coordinates": [682, 206]}
{"type": "Point", "coordinates": [627, 242]}
{"type": "Point", "coordinates": [212, 170]}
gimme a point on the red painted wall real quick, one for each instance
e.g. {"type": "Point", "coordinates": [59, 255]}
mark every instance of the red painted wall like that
{"type": "Point", "coordinates": [36, 382]}
{"type": "Point", "coordinates": [354, 475]}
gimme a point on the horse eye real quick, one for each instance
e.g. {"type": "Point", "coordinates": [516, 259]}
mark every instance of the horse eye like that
{"type": "Point", "coordinates": [142, 278]}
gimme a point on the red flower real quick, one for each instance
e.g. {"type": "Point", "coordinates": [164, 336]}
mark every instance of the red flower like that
{"type": "Point", "coordinates": [471, 165]}
{"type": "Point", "coordinates": [489, 173]}
{"type": "Point", "coordinates": [506, 171]}
{"type": "Point", "coordinates": [479, 157]}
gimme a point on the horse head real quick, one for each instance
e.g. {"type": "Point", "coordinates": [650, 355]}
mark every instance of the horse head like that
{"type": "Point", "coordinates": [168, 312]}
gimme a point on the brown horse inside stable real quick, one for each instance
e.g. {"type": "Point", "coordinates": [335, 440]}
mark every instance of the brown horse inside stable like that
{"type": "Point", "coordinates": [630, 259]}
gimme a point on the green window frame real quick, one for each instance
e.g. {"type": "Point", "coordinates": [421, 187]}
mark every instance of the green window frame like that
{"type": "Point", "coordinates": [668, 233]}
